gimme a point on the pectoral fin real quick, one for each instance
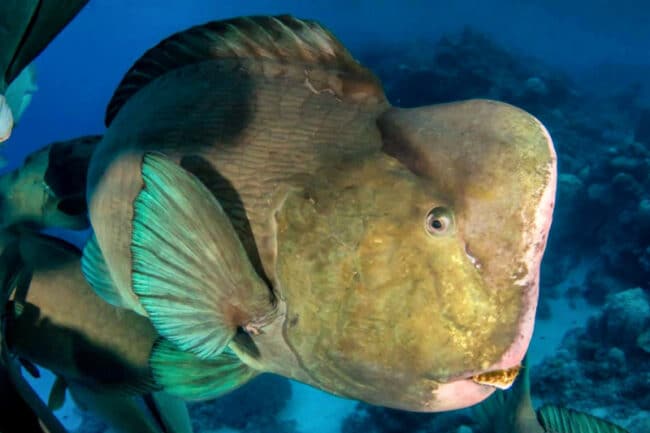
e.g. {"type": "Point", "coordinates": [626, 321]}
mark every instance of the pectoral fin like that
{"type": "Point", "coordinates": [96, 273]}
{"type": "Point", "coordinates": [190, 269]}
{"type": "Point", "coordinates": [187, 376]}
{"type": "Point", "coordinates": [172, 412]}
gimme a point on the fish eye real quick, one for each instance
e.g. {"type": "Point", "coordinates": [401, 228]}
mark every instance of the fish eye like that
{"type": "Point", "coordinates": [439, 221]}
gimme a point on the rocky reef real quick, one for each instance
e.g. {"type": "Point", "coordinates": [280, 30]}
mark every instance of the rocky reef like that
{"type": "Point", "coordinates": [605, 366]}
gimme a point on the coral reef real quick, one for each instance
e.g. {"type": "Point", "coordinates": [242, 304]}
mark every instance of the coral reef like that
{"type": "Point", "coordinates": [374, 419]}
{"type": "Point", "coordinates": [605, 364]}
{"type": "Point", "coordinates": [253, 408]}
{"type": "Point", "coordinates": [461, 66]}
{"type": "Point", "coordinates": [602, 213]}
{"type": "Point", "coordinates": [603, 145]}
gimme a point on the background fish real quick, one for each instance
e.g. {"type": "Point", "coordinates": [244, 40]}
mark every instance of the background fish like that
{"type": "Point", "coordinates": [512, 412]}
{"type": "Point", "coordinates": [98, 352]}
{"type": "Point", "coordinates": [27, 27]}
{"type": "Point", "coordinates": [49, 189]}
{"type": "Point", "coordinates": [256, 193]}
{"type": "Point", "coordinates": [6, 120]}
{"type": "Point", "coordinates": [15, 102]}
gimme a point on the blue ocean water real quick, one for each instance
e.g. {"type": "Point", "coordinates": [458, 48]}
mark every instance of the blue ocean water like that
{"type": "Point", "coordinates": [582, 67]}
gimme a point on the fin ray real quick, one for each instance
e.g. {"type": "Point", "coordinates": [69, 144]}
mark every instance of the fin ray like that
{"type": "Point", "coordinates": [282, 38]}
{"type": "Point", "coordinates": [563, 420]}
{"type": "Point", "coordinates": [190, 270]}
{"type": "Point", "coordinates": [185, 375]}
{"type": "Point", "coordinates": [97, 274]}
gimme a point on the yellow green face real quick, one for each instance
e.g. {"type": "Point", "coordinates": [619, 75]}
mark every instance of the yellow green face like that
{"type": "Point", "coordinates": [381, 291]}
{"type": "Point", "coordinates": [411, 280]}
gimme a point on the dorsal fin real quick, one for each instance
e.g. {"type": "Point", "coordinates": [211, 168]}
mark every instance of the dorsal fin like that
{"type": "Point", "coordinates": [282, 38]}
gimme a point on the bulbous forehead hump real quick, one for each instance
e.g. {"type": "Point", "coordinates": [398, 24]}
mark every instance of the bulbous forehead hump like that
{"type": "Point", "coordinates": [474, 148]}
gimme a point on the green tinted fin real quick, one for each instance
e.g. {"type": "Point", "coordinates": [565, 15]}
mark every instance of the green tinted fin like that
{"type": "Point", "coordinates": [15, 16]}
{"type": "Point", "coordinates": [46, 19]}
{"type": "Point", "coordinates": [19, 93]}
{"type": "Point", "coordinates": [562, 420]}
{"type": "Point", "coordinates": [6, 123]}
{"type": "Point", "coordinates": [57, 394]}
{"type": "Point", "coordinates": [186, 376]}
{"type": "Point", "coordinates": [283, 39]}
{"type": "Point", "coordinates": [96, 273]}
{"type": "Point", "coordinates": [172, 412]}
{"type": "Point", "coordinates": [190, 270]}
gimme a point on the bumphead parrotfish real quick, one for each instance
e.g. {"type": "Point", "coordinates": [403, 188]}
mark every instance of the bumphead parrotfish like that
{"type": "Point", "coordinates": [49, 189]}
{"type": "Point", "coordinates": [256, 192]}
{"type": "Point", "coordinates": [16, 100]}
{"type": "Point", "coordinates": [98, 352]}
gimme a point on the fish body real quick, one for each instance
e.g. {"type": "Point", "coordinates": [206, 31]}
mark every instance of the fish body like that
{"type": "Point", "coordinates": [256, 192]}
{"type": "Point", "coordinates": [512, 411]}
{"type": "Point", "coordinates": [64, 326]}
{"type": "Point", "coordinates": [98, 352]}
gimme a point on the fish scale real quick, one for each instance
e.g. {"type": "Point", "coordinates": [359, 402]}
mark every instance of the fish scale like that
{"type": "Point", "coordinates": [252, 163]}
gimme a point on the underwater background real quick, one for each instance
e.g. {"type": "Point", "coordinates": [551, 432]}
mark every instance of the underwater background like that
{"type": "Point", "coordinates": [582, 67]}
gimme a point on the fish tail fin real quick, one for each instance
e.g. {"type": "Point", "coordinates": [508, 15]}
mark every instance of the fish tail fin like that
{"type": "Point", "coordinates": [170, 412]}
{"type": "Point", "coordinates": [564, 420]}
{"type": "Point", "coordinates": [189, 377]}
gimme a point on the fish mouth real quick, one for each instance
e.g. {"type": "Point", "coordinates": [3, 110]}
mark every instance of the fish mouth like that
{"type": "Point", "coordinates": [500, 379]}
{"type": "Point", "coordinates": [470, 389]}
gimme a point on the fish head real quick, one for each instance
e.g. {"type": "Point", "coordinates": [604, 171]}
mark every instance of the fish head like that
{"type": "Point", "coordinates": [48, 190]}
{"type": "Point", "coordinates": [411, 276]}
